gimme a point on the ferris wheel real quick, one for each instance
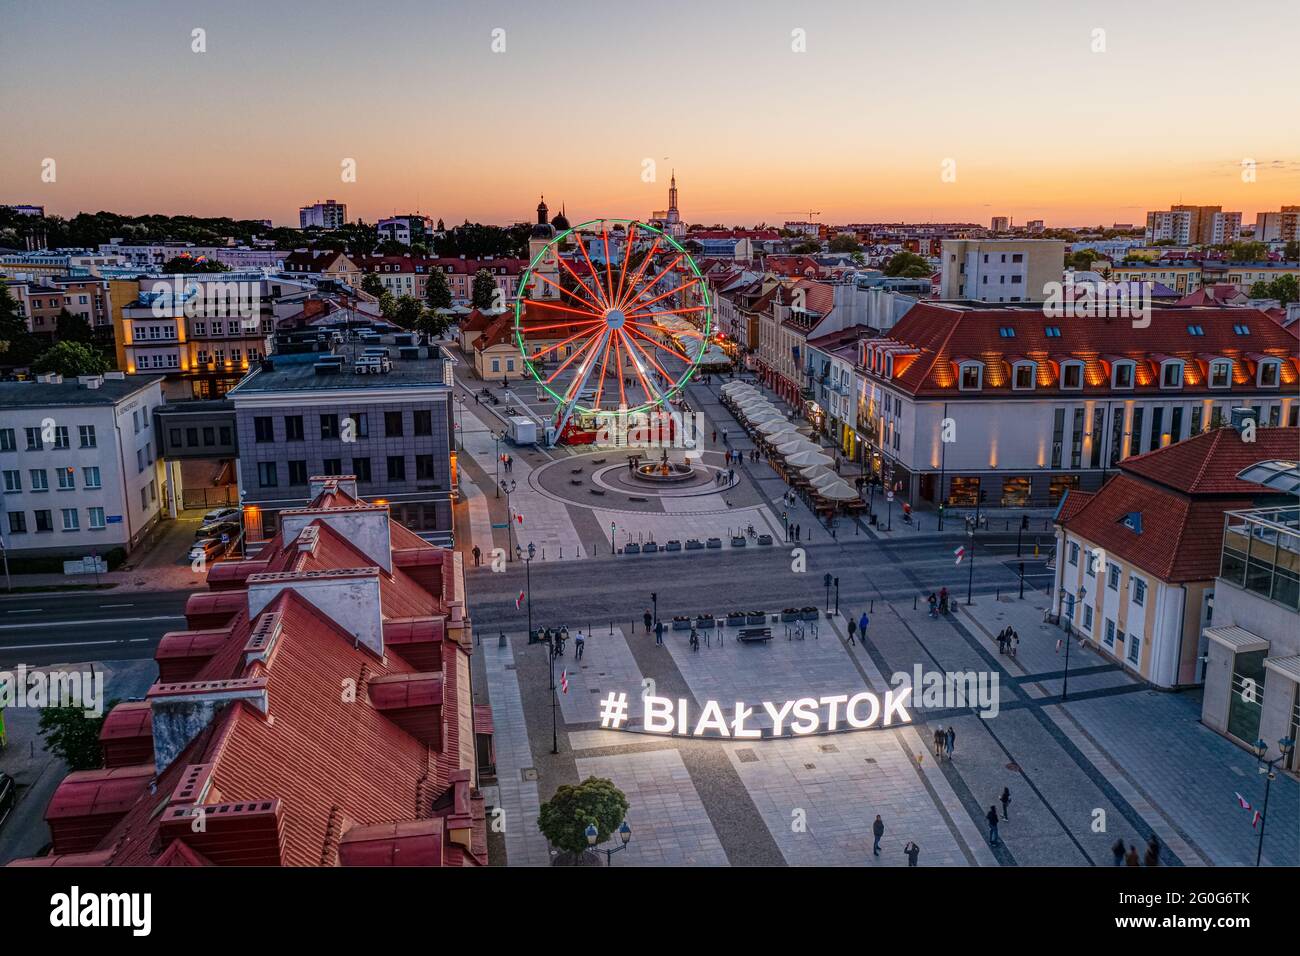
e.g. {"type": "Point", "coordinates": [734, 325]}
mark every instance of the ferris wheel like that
{"type": "Point", "coordinates": [612, 314]}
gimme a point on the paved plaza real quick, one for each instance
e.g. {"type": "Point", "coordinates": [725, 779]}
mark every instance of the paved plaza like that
{"type": "Point", "coordinates": [1112, 760]}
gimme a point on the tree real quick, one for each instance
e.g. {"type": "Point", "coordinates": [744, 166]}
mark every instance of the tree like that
{"type": "Point", "coordinates": [407, 312]}
{"type": "Point", "coordinates": [564, 818]}
{"type": "Point", "coordinates": [845, 243]}
{"type": "Point", "coordinates": [807, 248]}
{"type": "Point", "coordinates": [18, 347]}
{"type": "Point", "coordinates": [72, 736]}
{"type": "Point", "coordinates": [387, 304]}
{"type": "Point", "coordinates": [437, 294]}
{"type": "Point", "coordinates": [1291, 251]}
{"type": "Point", "coordinates": [1248, 252]}
{"type": "Point", "coordinates": [71, 359]}
{"type": "Point", "coordinates": [1081, 259]}
{"type": "Point", "coordinates": [907, 265]}
{"type": "Point", "coordinates": [371, 283]}
{"type": "Point", "coordinates": [483, 295]}
{"type": "Point", "coordinates": [1285, 289]}
{"type": "Point", "coordinates": [72, 328]}
{"type": "Point", "coordinates": [433, 324]}
{"type": "Point", "coordinates": [185, 263]}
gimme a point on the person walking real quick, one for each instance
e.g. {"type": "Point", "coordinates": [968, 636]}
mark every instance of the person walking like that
{"type": "Point", "coordinates": [938, 742]}
{"type": "Point", "coordinates": [659, 633]}
{"type": "Point", "coordinates": [478, 555]}
{"type": "Point", "coordinates": [1005, 799]}
{"type": "Point", "coordinates": [579, 643]}
{"type": "Point", "coordinates": [912, 852]}
{"type": "Point", "coordinates": [934, 604]}
{"type": "Point", "coordinates": [992, 818]}
{"type": "Point", "coordinates": [715, 436]}
{"type": "Point", "coordinates": [1118, 851]}
{"type": "Point", "coordinates": [1152, 857]}
{"type": "Point", "coordinates": [1131, 857]}
{"type": "Point", "coordinates": [1002, 642]}
{"type": "Point", "coordinates": [695, 640]}
{"type": "Point", "coordinates": [853, 627]}
{"type": "Point", "coordinates": [649, 621]}
{"type": "Point", "coordinates": [950, 741]}
{"type": "Point", "coordinates": [798, 532]}
{"type": "Point", "coordinates": [877, 831]}
{"type": "Point", "coordinates": [862, 626]}
{"type": "Point", "coordinates": [561, 636]}
{"type": "Point", "coordinates": [1015, 642]}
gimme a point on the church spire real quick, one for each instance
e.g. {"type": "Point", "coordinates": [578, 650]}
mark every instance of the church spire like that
{"type": "Point", "coordinates": [672, 192]}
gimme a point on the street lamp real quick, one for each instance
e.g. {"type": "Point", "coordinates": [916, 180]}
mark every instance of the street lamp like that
{"type": "Point", "coordinates": [624, 834]}
{"type": "Point", "coordinates": [460, 428]}
{"type": "Point", "coordinates": [508, 485]}
{"type": "Point", "coordinates": [496, 438]}
{"type": "Point", "coordinates": [1284, 746]}
{"type": "Point", "coordinates": [970, 573]}
{"type": "Point", "coordinates": [528, 581]}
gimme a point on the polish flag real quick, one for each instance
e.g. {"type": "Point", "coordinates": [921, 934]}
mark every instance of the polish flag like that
{"type": "Point", "coordinates": [564, 681]}
{"type": "Point", "coordinates": [1241, 802]}
{"type": "Point", "coordinates": [1254, 821]}
{"type": "Point", "coordinates": [961, 553]}
{"type": "Point", "coordinates": [519, 600]}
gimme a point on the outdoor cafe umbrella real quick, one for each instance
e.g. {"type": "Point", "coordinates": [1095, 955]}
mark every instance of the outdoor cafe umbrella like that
{"type": "Point", "coordinates": [840, 491]}
{"type": "Point", "coordinates": [793, 446]}
{"type": "Point", "coordinates": [807, 459]}
{"type": "Point", "coordinates": [732, 388]}
{"type": "Point", "coordinates": [819, 477]}
{"type": "Point", "coordinates": [759, 418]}
{"type": "Point", "coordinates": [774, 425]}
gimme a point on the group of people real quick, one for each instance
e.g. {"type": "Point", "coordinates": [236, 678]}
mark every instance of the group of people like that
{"type": "Point", "coordinates": [912, 851]}
{"type": "Point", "coordinates": [725, 477]}
{"type": "Point", "coordinates": [793, 531]}
{"type": "Point", "coordinates": [556, 637]}
{"type": "Point", "coordinates": [507, 463]}
{"type": "Point", "coordinates": [945, 741]}
{"type": "Point", "coordinates": [938, 602]}
{"type": "Point", "coordinates": [860, 625]}
{"type": "Point", "coordinates": [1129, 857]}
{"type": "Point", "coordinates": [1008, 640]}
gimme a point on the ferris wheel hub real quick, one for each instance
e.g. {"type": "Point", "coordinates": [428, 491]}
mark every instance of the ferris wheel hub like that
{"type": "Point", "coordinates": [614, 318]}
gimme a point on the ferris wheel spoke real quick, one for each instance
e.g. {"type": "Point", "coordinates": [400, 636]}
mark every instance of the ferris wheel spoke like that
{"type": "Point", "coordinates": [632, 303]}
{"type": "Point", "coordinates": [597, 302]}
{"type": "Point", "coordinates": [663, 295]}
{"type": "Point", "coordinates": [576, 352]}
{"type": "Point", "coordinates": [609, 275]}
{"type": "Point", "coordinates": [551, 348]}
{"type": "Point", "coordinates": [584, 369]}
{"type": "Point", "coordinates": [595, 276]}
{"type": "Point", "coordinates": [604, 366]}
{"type": "Point", "coordinates": [650, 358]}
{"type": "Point", "coordinates": [618, 366]}
{"type": "Point", "coordinates": [658, 344]}
{"type": "Point", "coordinates": [594, 308]}
{"type": "Point", "coordinates": [627, 255]}
{"type": "Point", "coordinates": [623, 301]}
{"type": "Point", "coordinates": [656, 314]}
{"type": "Point", "coordinates": [649, 392]}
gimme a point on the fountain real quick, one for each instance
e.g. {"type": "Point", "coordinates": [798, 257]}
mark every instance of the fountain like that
{"type": "Point", "coordinates": [664, 471]}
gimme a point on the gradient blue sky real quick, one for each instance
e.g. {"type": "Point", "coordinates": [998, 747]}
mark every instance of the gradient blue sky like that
{"type": "Point", "coordinates": [856, 127]}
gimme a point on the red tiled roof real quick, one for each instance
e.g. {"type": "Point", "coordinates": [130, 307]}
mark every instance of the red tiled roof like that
{"type": "Point", "coordinates": [1208, 464]}
{"type": "Point", "coordinates": [941, 332]}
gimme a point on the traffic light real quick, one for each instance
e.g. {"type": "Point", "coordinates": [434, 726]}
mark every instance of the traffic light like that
{"type": "Point", "coordinates": [826, 579]}
{"type": "Point", "coordinates": [1024, 522]}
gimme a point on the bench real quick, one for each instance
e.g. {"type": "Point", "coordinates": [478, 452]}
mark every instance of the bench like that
{"type": "Point", "coordinates": [748, 634]}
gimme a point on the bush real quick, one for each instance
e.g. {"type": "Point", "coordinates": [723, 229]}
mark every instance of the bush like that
{"type": "Point", "coordinates": [565, 817]}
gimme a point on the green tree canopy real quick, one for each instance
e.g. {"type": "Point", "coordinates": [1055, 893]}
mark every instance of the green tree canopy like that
{"type": "Point", "coordinates": [72, 328]}
{"type": "Point", "coordinates": [18, 347]}
{"type": "Point", "coordinates": [483, 294]}
{"type": "Point", "coordinates": [1285, 289]}
{"type": "Point", "coordinates": [371, 283]}
{"type": "Point", "coordinates": [182, 264]}
{"type": "Point", "coordinates": [72, 736]}
{"type": "Point", "coordinates": [806, 248]}
{"type": "Point", "coordinates": [565, 817]}
{"type": "Point", "coordinates": [907, 265]}
{"type": "Point", "coordinates": [845, 243]}
{"type": "Point", "coordinates": [407, 312]}
{"type": "Point", "coordinates": [71, 359]}
{"type": "Point", "coordinates": [437, 294]}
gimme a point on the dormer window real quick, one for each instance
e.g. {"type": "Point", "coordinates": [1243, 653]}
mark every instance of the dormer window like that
{"type": "Point", "coordinates": [1072, 374]}
{"type": "Point", "coordinates": [1171, 374]}
{"type": "Point", "coordinates": [1220, 373]}
{"type": "Point", "coordinates": [889, 366]}
{"type": "Point", "coordinates": [1270, 371]}
{"type": "Point", "coordinates": [1121, 375]}
{"type": "Point", "coordinates": [1022, 375]}
{"type": "Point", "coordinates": [971, 376]}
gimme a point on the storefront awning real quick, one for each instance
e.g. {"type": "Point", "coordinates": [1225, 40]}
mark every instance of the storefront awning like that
{"type": "Point", "coordinates": [1238, 640]}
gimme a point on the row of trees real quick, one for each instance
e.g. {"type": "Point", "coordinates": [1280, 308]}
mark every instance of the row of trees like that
{"type": "Point", "coordinates": [429, 316]}
{"type": "Point", "coordinates": [74, 352]}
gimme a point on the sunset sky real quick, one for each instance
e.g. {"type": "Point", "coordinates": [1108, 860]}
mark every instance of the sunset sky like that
{"type": "Point", "coordinates": [855, 128]}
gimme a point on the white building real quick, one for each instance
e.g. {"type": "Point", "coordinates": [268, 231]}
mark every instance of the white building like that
{"type": "Point", "coordinates": [325, 215]}
{"type": "Point", "coordinates": [80, 471]}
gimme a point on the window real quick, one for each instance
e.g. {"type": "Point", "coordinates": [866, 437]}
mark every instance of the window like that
{"type": "Point", "coordinates": [1052, 331]}
{"type": "Point", "coordinates": [1074, 554]}
{"type": "Point", "coordinates": [39, 480]}
{"type": "Point", "coordinates": [1268, 373]}
{"type": "Point", "coordinates": [329, 426]}
{"type": "Point", "coordinates": [360, 425]}
{"type": "Point", "coordinates": [397, 468]}
{"type": "Point", "coordinates": [1171, 375]}
{"type": "Point", "coordinates": [1198, 415]}
{"type": "Point", "coordinates": [1023, 375]}
{"type": "Point", "coordinates": [1058, 436]}
{"type": "Point", "coordinates": [66, 478]}
{"type": "Point", "coordinates": [1241, 329]}
{"type": "Point", "coordinates": [424, 468]}
{"type": "Point", "coordinates": [1071, 375]}
{"type": "Point", "coordinates": [139, 461]}
{"type": "Point", "coordinates": [1195, 330]}
{"type": "Point", "coordinates": [1098, 420]}
{"type": "Point", "coordinates": [1076, 440]}
{"type": "Point", "coordinates": [423, 422]}
{"type": "Point", "coordinates": [96, 518]}
{"type": "Point", "coordinates": [17, 522]}
{"type": "Point", "coordinates": [361, 468]}
{"type": "Point", "coordinates": [266, 474]}
{"type": "Point", "coordinates": [1087, 617]}
{"type": "Point", "coordinates": [972, 374]}
{"type": "Point", "coordinates": [192, 438]}
{"type": "Point", "coordinates": [174, 437]}
{"type": "Point", "coordinates": [1134, 649]}
{"type": "Point", "coordinates": [1139, 590]}
{"type": "Point", "coordinates": [44, 520]}
{"type": "Point", "coordinates": [90, 476]}
{"type": "Point", "coordinates": [33, 439]}
{"type": "Point", "coordinates": [1112, 577]}
{"type": "Point", "coordinates": [71, 522]}
{"type": "Point", "coordinates": [1090, 566]}
{"type": "Point", "coordinates": [264, 429]}
{"type": "Point", "coordinates": [7, 440]}
{"type": "Point", "coordinates": [293, 428]}
{"type": "Point", "coordinates": [297, 473]}
{"type": "Point", "coordinates": [1135, 436]}
{"type": "Point", "coordinates": [86, 433]}
{"type": "Point", "coordinates": [1109, 638]}
{"type": "Point", "coordinates": [13, 481]}
{"type": "Point", "coordinates": [392, 424]}
{"type": "Point", "coordinates": [332, 466]}
{"type": "Point", "coordinates": [1122, 375]}
{"type": "Point", "coordinates": [1220, 373]}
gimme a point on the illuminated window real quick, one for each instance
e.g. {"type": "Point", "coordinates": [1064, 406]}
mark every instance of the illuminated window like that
{"type": "Point", "coordinates": [1071, 375]}
{"type": "Point", "coordinates": [1269, 373]}
{"type": "Point", "coordinates": [972, 376]}
{"type": "Point", "coordinates": [1171, 375]}
{"type": "Point", "coordinates": [1220, 373]}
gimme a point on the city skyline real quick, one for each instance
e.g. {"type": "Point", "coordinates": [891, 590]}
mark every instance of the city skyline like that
{"type": "Point", "coordinates": [443, 125]}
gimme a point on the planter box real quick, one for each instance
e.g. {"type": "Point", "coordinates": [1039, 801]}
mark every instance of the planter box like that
{"type": "Point", "coordinates": [705, 623]}
{"type": "Point", "coordinates": [673, 546]}
{"type": "Point", "coordinates": [695, 544]}
{"type": "Point", "coordinates": [714, 543]}
{"type": "Point", "coordinates": [681, 625]}
{"type": "Point", "coordinates": [738, 541]}
{"type": "Point", "coordinates": [632, 548]}
{"type": "Point", "coordinates": [756, 617]}
{"type": "Point", "coordinates": [649, 548]}
{"type": "Point", "coordinates": [765, 539]}
{"type": "Point", "coordinates": [788, 616]}
{"type": "Point", "coordinates": [735, 620]}
{"type": "Point", "coordinates": [809, 614]}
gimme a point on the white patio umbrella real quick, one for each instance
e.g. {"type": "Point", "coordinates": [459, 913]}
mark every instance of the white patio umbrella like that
{"type": "Point", "coordinates": [762, 418]}
{"type": "Point", "coordinates": [840, 491]}
{"type": "Point", "coordinates": [794, 446]}
{"type": "Point", "coordinates": [774, 425]}
{"type": "Point", "coordinates": [808, 459]}
{"type": "Point", "coordinates": [732, 388]}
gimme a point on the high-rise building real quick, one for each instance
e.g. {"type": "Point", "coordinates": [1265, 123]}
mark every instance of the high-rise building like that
{"type": "Point", "coordinates": [1005, 270]}
{"type": "Point", "coordinates": [1000, 224]}
{"type": "Point", "coordinates": [325, 215]}
{"type": "Point", "coordinates": [1186, 225]}
{"type": "Point", "coordinates": [1278, 226]}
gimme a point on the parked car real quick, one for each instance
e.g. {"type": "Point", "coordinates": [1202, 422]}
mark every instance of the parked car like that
{"type": "Point", "coordinates": [217, 528]}
{"type": "Point", "coordinates": [206, 548]}
{"type": "Point", "coordinates": [219, 514]}
{"type": "Point", "coordinates": [8, 796]}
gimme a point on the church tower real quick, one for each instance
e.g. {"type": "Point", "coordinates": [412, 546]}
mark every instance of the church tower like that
{"type": "Point", "coordinates": [549, 265]}
{"type": "Point", "coordinates": [542, 220]}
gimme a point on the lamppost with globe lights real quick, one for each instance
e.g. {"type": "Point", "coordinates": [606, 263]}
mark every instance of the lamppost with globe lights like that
{"type": "Point", "coordinates": [496, 438]}
{"type": "Point", "coordinates": [508, 485]}
{"type": "Point", "coordinates": [1267, 768]}
{"type": "Point", "coordinates": [624, 834]}
{"type": "Point", "coordinates": [528, 580]}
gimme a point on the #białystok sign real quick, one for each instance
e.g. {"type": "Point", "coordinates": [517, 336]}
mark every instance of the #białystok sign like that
{"type": "Point", "coordinates": [838, 713]}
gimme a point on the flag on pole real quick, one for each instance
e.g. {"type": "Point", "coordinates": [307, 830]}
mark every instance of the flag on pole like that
{"type": "Point", "coordinates": [564, 681]}
{"type": "Point", "coordinates": [1254, 821]}
{"type": "Point", "coordinates": [519, 600]}
{"type": "Point", "coordinates": [1242, 802]}
{"type": "Point", "coordinates": [961, 553]}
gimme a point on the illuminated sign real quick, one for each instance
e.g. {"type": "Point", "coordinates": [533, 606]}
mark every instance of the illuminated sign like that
{"type": "Point", "coordinates": [838, 713]}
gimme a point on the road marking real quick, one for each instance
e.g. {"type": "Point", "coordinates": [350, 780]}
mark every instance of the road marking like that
{"type": "Point", "coordinates": [26, 610]}
{"type": "Point", "coordinates": [30, 647]}
{"type": "Point", "coordinates": [105, 620]}
{"type": "Point", "coordinates": [116, 605]}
